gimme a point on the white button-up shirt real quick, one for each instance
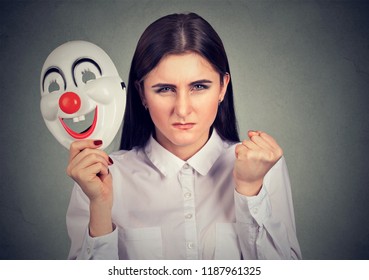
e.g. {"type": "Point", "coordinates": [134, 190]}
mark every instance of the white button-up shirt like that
{"type": "Point", "coordinates": [167, 208]}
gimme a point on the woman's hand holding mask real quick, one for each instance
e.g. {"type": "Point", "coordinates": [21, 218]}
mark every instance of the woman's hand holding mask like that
{"type": "Point", "coordinates": [89, 167]}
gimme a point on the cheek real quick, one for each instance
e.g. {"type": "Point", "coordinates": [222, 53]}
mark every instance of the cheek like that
{"type": "Point", "coordinates": [49, 106]}
{"type": "Point", "coordinates": [159, 112]}
{"type": "Point", "coordinates": [208, 110]}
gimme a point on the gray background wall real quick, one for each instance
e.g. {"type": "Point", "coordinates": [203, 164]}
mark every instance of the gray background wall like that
{"type": "Point", "coordinates": [300, 72]}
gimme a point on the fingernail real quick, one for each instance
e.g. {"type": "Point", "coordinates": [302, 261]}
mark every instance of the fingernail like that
{"type": "Point", "coordinates": [111, 161]}
{"type": "Point", "coordinates": [97, 142]}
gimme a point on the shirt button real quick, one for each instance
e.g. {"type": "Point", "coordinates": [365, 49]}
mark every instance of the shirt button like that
{"type": "Point", "coordinates": [188, 216]}
{"type": "Point", "coordinates": [255, 210]}
{"type": "Point", "coordinates": [190, 245]}
{"type": "Point", "coordinates": [88, 251]}
{"type": "Point", "coordinates": [186, 166]}
{"type": "Point", "coordinates": [187, 195]}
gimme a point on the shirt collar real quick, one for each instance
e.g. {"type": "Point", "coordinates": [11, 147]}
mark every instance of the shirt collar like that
{"type": "Point", "coordinates": [169, 164]}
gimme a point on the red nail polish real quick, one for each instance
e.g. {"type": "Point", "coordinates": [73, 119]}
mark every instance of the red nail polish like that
{"type": "Point", "coordinates": [111, 161]}
{"type": "Point", "coordinates": [97, 142]}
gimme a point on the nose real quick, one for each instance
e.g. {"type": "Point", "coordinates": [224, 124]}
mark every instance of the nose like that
{"type": "Point", "coordinates": [69, 102]}
{"type": "Point", "coordinates": [183, 106]}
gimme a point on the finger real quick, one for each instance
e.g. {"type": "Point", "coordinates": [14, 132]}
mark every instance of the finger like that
{"type": "Point", "coordinates": [103, 174]}
{"type": "Point", "coordinates": [93, 171]}
{"type": "Point", "coordinates": [250, 145]}
{"type": "Point", "coordinates": [251, 133]}
{"type": "Point", "coordinates": [239, 148]}
{"type": "Point", "coordinates": [243, 153]}
{"type": "Point", "coordinates": [99, 169]}
{"type": "Point", "coordinates": [270, 140]}
{"type": "Point", "coordinates": [87, 152]}
{"type": "Point", "coordinates": [77, 146]}
{"type": "Point", "coordinates": [82, 161]}
{"type": "Point", "coordinates": [261, 142]}
{"type": "Point", "coordinates": [87, 158]}
{"type": "Point", "coordinates": [244, 148]}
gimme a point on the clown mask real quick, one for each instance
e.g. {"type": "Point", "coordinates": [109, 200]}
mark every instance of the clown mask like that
{"type": "Point", "coordinates": [82, 95]}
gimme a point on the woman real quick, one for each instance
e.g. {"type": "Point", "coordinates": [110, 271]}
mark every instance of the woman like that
{"type": "Point", "coordinates": [182, 186]}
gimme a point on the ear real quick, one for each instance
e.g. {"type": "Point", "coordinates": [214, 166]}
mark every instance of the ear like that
{"type": "Point", "coordinates": [224, 85]}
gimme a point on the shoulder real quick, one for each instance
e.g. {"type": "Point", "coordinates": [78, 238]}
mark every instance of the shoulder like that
{"type": "Point", "coordinates": [122, 154]}
{"type": "Point", "coordinates": [130, 161]}
{"type": "Point", "coordinates": [227, 156]}
{"type": "Point", "coordinates": [134, 156]}
{"type": "Point", "coordinates": [128, 156]}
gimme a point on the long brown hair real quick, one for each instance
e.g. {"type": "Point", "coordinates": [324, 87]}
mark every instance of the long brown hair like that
{"type": "Point", "coordinates": [174, 34]}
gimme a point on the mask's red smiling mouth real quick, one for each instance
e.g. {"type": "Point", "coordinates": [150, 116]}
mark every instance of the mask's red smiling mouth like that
{"type": "Point", "coordinates": [80, 127]}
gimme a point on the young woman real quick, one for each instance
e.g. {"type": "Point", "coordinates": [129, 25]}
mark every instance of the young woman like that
{"type": "Point", "coordinates": [183, 186]}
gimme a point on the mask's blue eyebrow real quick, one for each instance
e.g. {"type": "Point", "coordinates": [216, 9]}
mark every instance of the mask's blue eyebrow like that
{"type": "Point", "coordinates": [81, 60]}
{"type": "Point", "coordinates": [53, 69]}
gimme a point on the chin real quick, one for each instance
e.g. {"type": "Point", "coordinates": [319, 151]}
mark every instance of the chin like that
{"type": "Point", "coordinates": [186, 138]}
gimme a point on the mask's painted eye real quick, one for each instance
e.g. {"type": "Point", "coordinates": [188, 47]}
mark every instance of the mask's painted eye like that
{"type": "Point", "coordinates": [86, 71]}
{"type": "Point", "coordinates": [53, 83]}
{"type": "Point", "coordinates": [54, 86]}
{"type": "Point", "coordinates": [88, 75]}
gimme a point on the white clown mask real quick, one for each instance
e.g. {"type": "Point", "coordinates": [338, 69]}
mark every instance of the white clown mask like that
{"type": "Point", "coordinates": [82, 95]}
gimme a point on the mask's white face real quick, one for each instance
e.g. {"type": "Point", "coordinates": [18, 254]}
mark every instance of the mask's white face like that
{"type": "Point", "coordinates": [82, 95]}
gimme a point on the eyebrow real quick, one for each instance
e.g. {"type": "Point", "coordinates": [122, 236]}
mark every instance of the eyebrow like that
{"type": "Point", "coordinates": [53, 69]}
{"type": "Point", "coordinates": [203, 81]}
{"type": "Point", "coordinates": [79, 61]}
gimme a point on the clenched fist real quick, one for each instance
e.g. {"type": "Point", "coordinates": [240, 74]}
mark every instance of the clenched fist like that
{"type": "Point", "coordinates": [254, 158]}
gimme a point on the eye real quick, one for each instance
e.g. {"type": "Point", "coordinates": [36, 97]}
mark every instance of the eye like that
{"type": "Point", "coordinates": [199, 87]}
{"type": "Point", "coordinates": [53, 83]}
{"type": "Point", "coordinates": [165, 90]}
{"type": "Point", "coordinates": [86, 71]}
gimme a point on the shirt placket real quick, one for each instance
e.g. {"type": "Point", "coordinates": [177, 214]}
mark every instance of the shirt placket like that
{"type": "Point", "coordinates": [187, 180]}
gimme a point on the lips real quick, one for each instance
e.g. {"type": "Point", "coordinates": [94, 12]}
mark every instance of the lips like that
{"type": "Point", "coordinates": [82, 126]}
{"type": "Point", "coordinates": [184, 126]}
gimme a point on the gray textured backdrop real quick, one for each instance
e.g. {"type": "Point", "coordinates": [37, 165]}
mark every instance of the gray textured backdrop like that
{"type": "Point", "coordinates": [300, 72]}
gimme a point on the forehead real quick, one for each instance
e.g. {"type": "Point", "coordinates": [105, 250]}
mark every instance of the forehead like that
{"type": "Point", "coordinates": [183, 66]}
{"type": "Point", "coordinates": [67, 54]}
{"type": "Point", "coordinates": [71, 51]}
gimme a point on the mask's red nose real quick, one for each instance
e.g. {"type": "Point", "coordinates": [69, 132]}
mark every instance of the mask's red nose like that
{"type": "Point", "coordinates": [69, 102]}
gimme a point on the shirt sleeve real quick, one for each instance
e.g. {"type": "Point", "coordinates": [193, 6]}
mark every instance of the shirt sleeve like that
{"type": "Point", "coordinates": [83, 246]}
{"type": "Point", "coordinates": [265, 223]}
